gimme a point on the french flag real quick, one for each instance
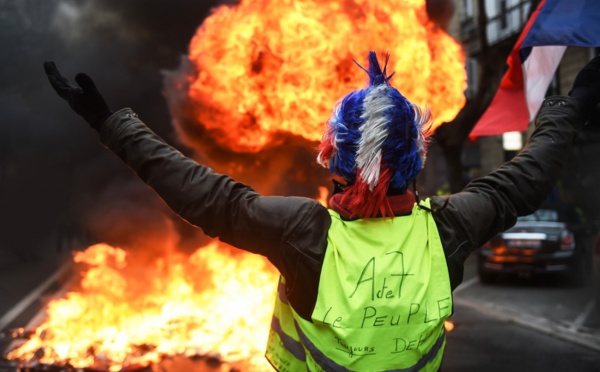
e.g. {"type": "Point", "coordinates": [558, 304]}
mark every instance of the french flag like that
{"type": "Point", "coordinates": [554, 25]}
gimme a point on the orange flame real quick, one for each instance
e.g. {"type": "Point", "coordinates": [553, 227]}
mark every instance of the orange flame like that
{"type": "Point", "coordinates": [271, 66]}
{"type": "Point", "coordinates": [214, 301]}
{"type": "Point", "coordinates": [323, 195]}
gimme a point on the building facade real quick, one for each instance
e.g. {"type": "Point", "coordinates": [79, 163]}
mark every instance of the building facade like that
{"type": "Point", "coordinates": [503, 21]}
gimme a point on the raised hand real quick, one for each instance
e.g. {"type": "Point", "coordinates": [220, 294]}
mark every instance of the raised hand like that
{"type": "Point", "coordinates": [84, 99]}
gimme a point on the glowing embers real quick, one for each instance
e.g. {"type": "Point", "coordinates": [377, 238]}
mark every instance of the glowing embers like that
{"type": "Point", "coordinates": [270, 68]}
{"type": "Point", "coordinates": [215, 304]}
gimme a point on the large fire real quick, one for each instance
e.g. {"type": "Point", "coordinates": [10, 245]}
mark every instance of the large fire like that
{"type": "Point", "coordinates": [271, 66]}
{"type": "Point", "coordinates": [217, 301]}
{"type": "Point", "coordinates": [262, 68]}
{"type": "Point", "coordinates": [129, 311]}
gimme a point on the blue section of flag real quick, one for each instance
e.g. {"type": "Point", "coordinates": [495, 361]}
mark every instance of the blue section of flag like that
{"type": "Point", "coordinates": [565, 22]}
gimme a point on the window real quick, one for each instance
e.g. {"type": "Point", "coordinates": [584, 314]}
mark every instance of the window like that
{"type": "Point", "coordinates": [503, 15]}
{"type": "Point", "coordinates": [471, 67]}
{"type": "Point", "coordinates": [466, 7]}
{"type": "Point", "coordinates": [506, 18]}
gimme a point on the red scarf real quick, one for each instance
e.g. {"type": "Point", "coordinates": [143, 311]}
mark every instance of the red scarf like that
{"type": "Point", "coordinates": [401, 204]}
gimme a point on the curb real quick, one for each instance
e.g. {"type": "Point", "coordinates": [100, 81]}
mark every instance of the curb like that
{"type": "Point", "coordinates": [34, 295]}
{"type": "Point", "coordinates": [556, 329]}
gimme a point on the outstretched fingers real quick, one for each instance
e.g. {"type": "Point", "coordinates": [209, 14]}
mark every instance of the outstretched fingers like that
{"type": "Point", "coordinates": [60, 84]}
{"type": "Point", "coordinates": [50, 68]}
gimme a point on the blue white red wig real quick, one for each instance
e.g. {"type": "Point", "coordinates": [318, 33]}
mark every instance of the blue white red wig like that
{"type": "Point", "coordinates": [376, 140]}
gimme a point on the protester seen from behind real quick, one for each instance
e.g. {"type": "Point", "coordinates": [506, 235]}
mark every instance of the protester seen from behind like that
{"type": "Point", "coordinates": [367, 283]}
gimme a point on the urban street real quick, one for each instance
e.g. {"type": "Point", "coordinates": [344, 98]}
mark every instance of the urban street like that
{"type": "Point", "coordinates": [516, 324]}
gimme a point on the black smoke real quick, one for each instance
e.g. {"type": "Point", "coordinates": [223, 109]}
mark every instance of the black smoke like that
{"type": "Point", "coordinates": [53, 172]}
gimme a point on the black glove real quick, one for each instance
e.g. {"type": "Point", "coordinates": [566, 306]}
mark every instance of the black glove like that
{"type": "Point", "coordinates": [84, 99]}
{"type": "Point", "coordinates": [586, 88]}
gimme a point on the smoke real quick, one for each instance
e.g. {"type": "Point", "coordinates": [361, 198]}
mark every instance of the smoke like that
{"type": "Point", "coordinates": [440, 12]}
{"type": "Point", "coordinates": [52, 169]}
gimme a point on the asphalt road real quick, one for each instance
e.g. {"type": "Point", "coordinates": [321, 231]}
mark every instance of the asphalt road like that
{"type": "Point", "coordinates": [480, 342]}
{"type": "Point", "coordinates": [541, 303]}
{"type": "Point", "coordinates": [524, 324]}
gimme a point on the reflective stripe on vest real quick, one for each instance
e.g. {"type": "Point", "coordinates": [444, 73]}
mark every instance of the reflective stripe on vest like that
{"type": "Point", "coordinates": [285, 352]}
{"type": "Point", "coordinates": [293, 346]}
{"type": "Point", "coordinates": [329, 365]}
{"type": "Point", "coordinates": [384, 293]}
{"type": "Point", "coordinates": [289, 343]}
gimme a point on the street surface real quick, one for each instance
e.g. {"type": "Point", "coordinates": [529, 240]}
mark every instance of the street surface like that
{"type": "Point", "coordinates": [513, 325]}
{"type": "Point", "coordinates": [524, 324]}
{"type": "Point", "coordinates": [485, 343]}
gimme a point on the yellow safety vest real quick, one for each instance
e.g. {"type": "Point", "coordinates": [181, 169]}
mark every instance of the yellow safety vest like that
{"type": "Point", "coordinates": [384, 293]}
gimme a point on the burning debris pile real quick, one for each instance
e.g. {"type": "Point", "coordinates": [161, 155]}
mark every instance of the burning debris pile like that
{"type": "Point", "coordinates": [215, 303]}
{"type": "Point", "coordinates": [251, 97]}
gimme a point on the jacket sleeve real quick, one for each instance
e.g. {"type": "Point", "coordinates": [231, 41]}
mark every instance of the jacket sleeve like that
{"type": "Point", "coordinates": [220, 206]}
{"type": "Point", "coordinates": [491, 204]}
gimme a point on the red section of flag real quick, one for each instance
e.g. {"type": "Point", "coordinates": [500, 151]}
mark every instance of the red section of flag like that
{"type": "Point", "coordinates": [507, 113]}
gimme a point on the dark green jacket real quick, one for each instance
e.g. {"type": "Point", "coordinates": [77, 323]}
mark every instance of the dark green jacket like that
{"type": "Point", "coordinates": [292, 231]}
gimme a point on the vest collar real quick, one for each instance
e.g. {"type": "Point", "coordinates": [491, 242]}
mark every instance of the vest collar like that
{"type": "Point", "coordinates": [401, 204]}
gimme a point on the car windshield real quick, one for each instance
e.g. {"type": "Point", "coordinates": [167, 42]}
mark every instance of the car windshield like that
{"type": "Point", "coordinates": [546, 215]}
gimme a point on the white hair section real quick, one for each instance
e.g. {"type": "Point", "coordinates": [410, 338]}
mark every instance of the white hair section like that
{"type": "Point", "coordinates": [423, 120]}
{"type": "Point", "coordinates": [374, 133]}
{"type": "Point", "coordinates": [322, 161]}
{"type": "Point", "coordinates": [333, 119]}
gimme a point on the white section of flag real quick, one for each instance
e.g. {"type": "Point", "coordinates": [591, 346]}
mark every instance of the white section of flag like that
{"type": "Point", "coordinates": [538, 71]}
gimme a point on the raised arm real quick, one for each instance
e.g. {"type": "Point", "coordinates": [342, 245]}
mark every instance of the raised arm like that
{"type": "Point", "coordinates": [216, 203]}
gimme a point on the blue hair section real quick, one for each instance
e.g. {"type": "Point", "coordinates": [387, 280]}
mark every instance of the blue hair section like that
{"type": "Point", "coordinates": [377, 76]}
{"type": "Point", "coordinates": [401, 147]}
{"type": "Point", "coordinates": [346, 122]}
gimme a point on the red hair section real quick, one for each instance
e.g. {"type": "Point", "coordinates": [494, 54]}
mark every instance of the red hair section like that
{"type": "Point", "coordinates": [364, 203]}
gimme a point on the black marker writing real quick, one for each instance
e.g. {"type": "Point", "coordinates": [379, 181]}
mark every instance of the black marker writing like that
{"type": "Point", "coordinates": [368, 275]}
